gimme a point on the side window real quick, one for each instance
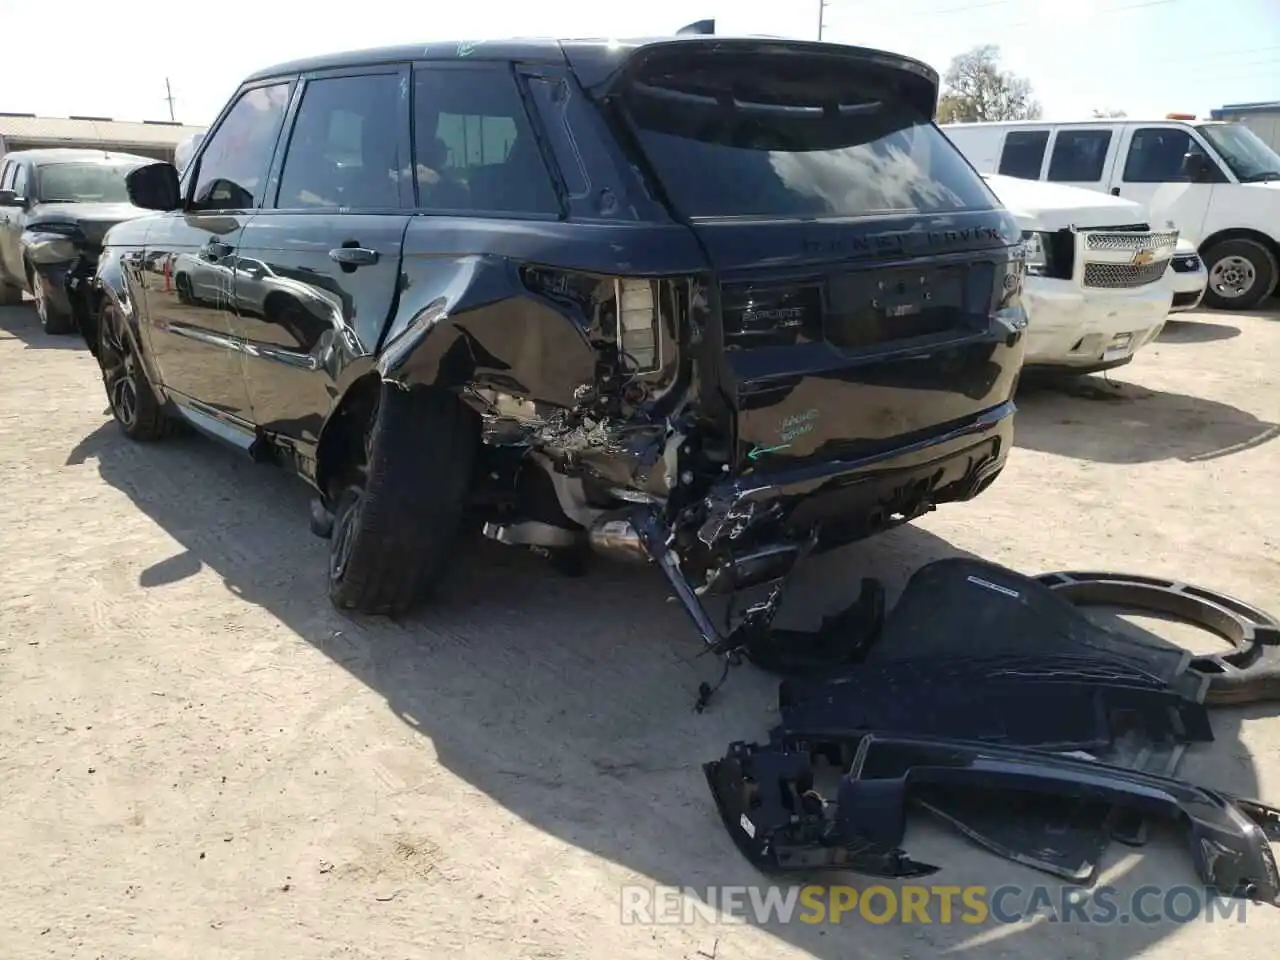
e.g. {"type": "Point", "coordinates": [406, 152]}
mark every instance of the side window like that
{"type": "Point", "coordinates": [1079, 156]}
{"type": "Point", "coordinates": [233, 167]}
{"type": "Point", "coordinates": [347, 148]}
{"type": "Point", "coordinates": [19, 185]}
{"type": "Point", "coordinates": [5, 174]}
{"type": "Point", "coordinates": [474, 146]}
{"type": "Point", "coordinates": [1156, 155]}
{"type": "Point", "coordinates": [1023, 153]}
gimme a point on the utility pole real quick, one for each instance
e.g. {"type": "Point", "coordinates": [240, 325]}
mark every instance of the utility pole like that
{"type": "Point", "coordinates": [822, 9]}
{"type": "Point", "coordinates": [168, 90]}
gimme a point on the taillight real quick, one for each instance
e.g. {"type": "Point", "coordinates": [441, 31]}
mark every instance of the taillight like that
{"type": "Point", "coordinates": [639, 339]}
{"type": "Point", "coordinates": [628, 317]}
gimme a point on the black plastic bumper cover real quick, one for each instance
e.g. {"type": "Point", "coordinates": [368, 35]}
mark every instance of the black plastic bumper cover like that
{"type": "Point", "coordinates": [766, 798]}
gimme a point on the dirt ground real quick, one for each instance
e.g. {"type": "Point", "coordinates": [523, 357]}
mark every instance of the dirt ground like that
{"type": "Point", "coordinates": [200, 758]}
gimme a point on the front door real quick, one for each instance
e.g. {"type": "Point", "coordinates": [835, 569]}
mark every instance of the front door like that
{"type": "Point", "coordinates": [188, 267]}
{"type": "Point", "coordinates": [1151, 171]}
{"type": "Point", "coordinates": [317, 269]}
{"type": "Point", "coordinates": [11, 223]}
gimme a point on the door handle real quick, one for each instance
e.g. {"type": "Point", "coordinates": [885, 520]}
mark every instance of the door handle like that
{"type": "Point", "coordinates": [353, 256]}
{"type": "Point", "coordinates": [216, 248]}
{"type": "Point", "coordinates": [1115, 191]}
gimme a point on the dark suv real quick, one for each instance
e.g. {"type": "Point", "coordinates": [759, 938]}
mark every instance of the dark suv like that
{"type": "Point", "coordinates": [710, 302]}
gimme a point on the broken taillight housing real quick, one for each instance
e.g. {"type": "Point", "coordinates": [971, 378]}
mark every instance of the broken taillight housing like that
{"type": "Point", "coordinates": [639, 337]}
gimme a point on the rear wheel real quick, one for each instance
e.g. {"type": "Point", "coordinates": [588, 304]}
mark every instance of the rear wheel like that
{"type": "Point", "coordinates": [399, 515]}
{"type": "Point", "coordinates": [1242, 273]}
{"type": "Point", "coordinates": [52, 318]}
{"type": "Point", "coordinates": [134, 404]}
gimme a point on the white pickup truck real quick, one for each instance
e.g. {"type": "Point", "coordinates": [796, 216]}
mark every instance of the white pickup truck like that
{"type": "Point", "coordinates": [1098, 287]}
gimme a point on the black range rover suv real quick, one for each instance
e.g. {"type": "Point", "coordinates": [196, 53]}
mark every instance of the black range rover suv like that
{"type": "Point", "coordinates": [709, 302]}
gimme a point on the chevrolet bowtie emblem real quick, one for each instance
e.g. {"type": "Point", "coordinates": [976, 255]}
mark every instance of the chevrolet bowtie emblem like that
{"type": "Point", "coordinates": [1143, 257]}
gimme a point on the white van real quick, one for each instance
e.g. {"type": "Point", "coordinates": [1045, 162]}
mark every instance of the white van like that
{"type": "Point", "coordinates": [1216, 182]}
{"type": "Point", "coordinates": [1097, 289]}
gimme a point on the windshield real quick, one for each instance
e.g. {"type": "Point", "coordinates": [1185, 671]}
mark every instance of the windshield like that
{"type": "Point", "coordinates": [83, 183]}
{"type": "Point", "coordinates": [744, 156]}
{"type": "Point", "coordinates": [1248, 156]}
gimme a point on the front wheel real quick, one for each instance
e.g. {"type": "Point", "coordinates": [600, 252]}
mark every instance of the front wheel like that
{"type": "Point", "coordinates": [398, 519]}
{"type": "Point", "coordinates": [1242, 273]}
{"type": "Point", "coordinates": [52, 317]}
{"type": "Point", "coordinates": [134, 404]}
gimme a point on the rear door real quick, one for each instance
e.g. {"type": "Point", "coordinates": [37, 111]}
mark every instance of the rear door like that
{"type": "Point", "coordinates": [857, 257]}
{"type": "Point", "coordinates": [317, 270]}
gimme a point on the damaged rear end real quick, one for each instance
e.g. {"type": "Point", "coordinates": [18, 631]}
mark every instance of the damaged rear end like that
{"type": "Point", "coordinates": [822, 333]}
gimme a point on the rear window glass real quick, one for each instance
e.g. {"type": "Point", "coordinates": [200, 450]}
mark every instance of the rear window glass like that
{"type": "Point", "coordinates": [753, 156]}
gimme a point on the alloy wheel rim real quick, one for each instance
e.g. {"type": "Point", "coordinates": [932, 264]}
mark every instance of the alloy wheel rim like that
{"type": "Point", "coordinates": [1232, 277]}
{"type": "Point", "coordinates": [120, 370]}
{"type": "Point", "coordinates": [344, 539]}
{"type": "Point", "coordinates": [38, 293]}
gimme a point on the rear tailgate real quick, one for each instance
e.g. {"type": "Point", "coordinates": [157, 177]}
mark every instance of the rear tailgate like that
{"type": "Point", "coordinates": [859, 262]}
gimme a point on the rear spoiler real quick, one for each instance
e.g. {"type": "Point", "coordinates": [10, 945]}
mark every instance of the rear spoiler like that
{"type": "Point", "coordinates": [699, 28]}
{"type": "Point", "coordinates": [600, 70]}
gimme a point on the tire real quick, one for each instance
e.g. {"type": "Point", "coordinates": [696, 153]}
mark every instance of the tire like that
{"type": "Point", "coordinates": [53, 320]}
{"type": "Point", "coordinates": [1245, 273]}
{"type": "Point", "coordinates": [134, 404]}
{"type": "Point", "coordinates": [394, 531]}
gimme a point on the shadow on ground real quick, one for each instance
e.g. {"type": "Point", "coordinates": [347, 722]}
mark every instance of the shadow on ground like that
{"type": "Point", "coordinates": [23, 324]}
{"type": "Point", "coordinates": [1196, 331]}
{"type": "Point", "coordinates": [569, 700]}
{"type": "Point", "coordinates": [1137, 425]}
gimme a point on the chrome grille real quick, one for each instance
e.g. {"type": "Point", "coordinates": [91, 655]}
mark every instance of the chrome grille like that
{"type": "Point", "coordinates": [1130, 241]}
{"type": "Point", "coordinates": [1123, 275]}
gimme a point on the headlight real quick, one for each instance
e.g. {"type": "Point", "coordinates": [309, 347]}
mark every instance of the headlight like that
{"type": "Point", "coordinates": [1036, 261]}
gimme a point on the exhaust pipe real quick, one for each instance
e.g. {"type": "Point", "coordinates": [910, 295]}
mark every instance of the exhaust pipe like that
{"type": "Point", "coordinates": [615, 535]}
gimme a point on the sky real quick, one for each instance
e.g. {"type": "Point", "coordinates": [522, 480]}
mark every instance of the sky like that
{"type": "Point", "coordinates": [1146, 57]}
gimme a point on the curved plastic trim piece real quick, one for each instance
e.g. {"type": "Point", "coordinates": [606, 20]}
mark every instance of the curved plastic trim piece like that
{"type": "Point", "coordinates": [1248, 673]}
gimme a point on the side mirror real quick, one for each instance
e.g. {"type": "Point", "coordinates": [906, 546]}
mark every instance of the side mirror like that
{"type": "Point", "coordinates": [154, 187]}
{"type": "Point", "coordinates": [1198, 168]}
{"type": "Point", "coordinates": [10, 199]}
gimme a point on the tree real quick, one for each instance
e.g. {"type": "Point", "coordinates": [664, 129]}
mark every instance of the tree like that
{"type": "Point", "coordinates": [1104, 113]}
{"type": "Point", "coordinates": [975, 89]}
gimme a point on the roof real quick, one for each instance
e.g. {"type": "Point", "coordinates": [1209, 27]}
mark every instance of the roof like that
{"type": "Point", "coordinates": [1272, 106]}
{"type": "Point", "coordinates": [1094, 122]}
{"type": "Point", "coordinates": [103, 130]}
{"type": "Point", "coordinates": [1261, 105]}
{"type": "Point", "coordinates": [599, 52]}
{"type": "Point", "coordinates": [55, 155]}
